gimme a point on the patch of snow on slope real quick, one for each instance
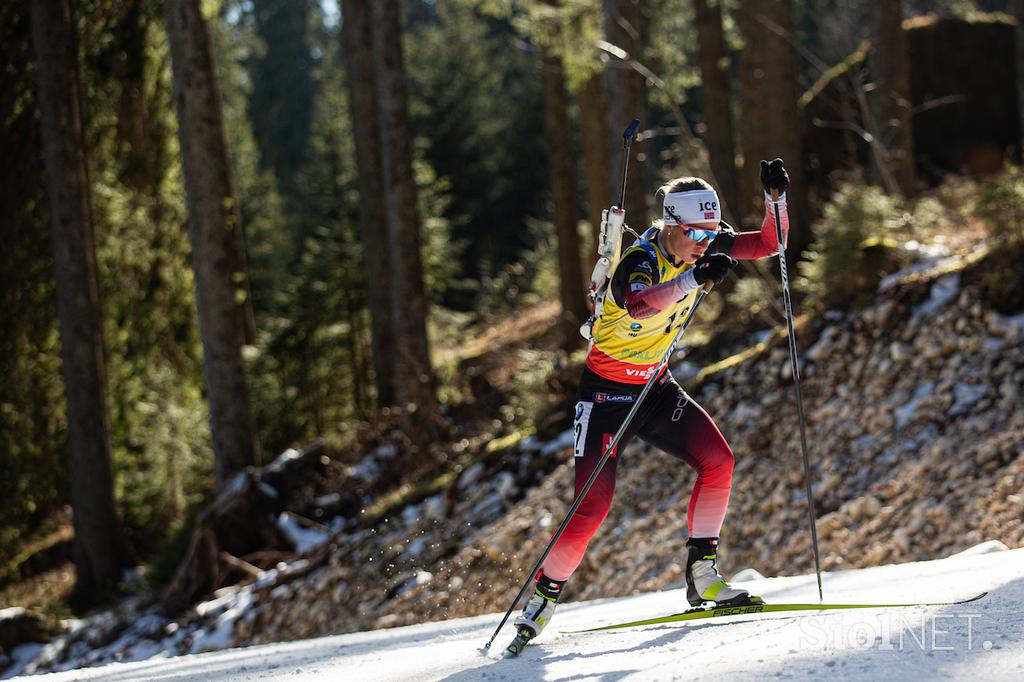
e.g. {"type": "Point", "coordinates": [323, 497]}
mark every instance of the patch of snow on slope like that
{"type": "Point", "coordinates": [905, 412]}
{"type": "Point", "coordinates": [943, 291]}
{"type": "Point", "coordinates": [560, 442]}
{"type": "Point", "coordinates": [301, 536]}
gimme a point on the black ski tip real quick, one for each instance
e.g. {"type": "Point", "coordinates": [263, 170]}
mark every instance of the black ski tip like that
{"type": "Point", "coordinates": [519, 643]}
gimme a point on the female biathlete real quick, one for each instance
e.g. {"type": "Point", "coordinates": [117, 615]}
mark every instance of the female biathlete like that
{"type": "Point", "coordinates": [651, 291]}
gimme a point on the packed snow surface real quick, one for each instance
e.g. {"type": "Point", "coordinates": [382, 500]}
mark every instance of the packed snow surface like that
{"type": "Point", "coordinates": [984, 638]}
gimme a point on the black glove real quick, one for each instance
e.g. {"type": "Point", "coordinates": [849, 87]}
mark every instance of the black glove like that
{"type": "Point", "coordinates": [774, 175]}
{"type": "Point", "coordinates": [714, 267]}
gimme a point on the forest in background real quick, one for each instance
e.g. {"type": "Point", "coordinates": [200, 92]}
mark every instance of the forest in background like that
{"type": "Point", "coordinates": [494, 176]}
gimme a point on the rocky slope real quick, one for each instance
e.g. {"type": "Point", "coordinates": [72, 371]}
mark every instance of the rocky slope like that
{"type": "Point", "coordinates": [915, 431]}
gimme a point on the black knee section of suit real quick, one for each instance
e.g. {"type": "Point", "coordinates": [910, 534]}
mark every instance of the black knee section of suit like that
{"type": "Point", "coordinates": [548, 588]}
{"type": "Point", "coordinates": [701, 548]}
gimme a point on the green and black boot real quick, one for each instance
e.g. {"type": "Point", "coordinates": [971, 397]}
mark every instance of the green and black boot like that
{"type": "Point", "coordinates": [703, 581]}
{"type": "Point", "coordinates": [541, 606]}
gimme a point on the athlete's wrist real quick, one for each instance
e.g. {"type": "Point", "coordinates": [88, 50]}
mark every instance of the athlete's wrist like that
{"type": "Point", "coordinates": [686, 282]}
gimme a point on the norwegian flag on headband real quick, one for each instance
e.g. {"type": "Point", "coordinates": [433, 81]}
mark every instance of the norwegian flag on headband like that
{"type": "Point", "coordinates": [693, 206]}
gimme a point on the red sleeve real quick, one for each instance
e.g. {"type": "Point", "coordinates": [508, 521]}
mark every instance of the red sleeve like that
{"type": "Point", "coordinates": [753, 245]}
{"type": "Point", "coordinates": [646, 302]}
{"type": "Point", "coordinates": [637, 270]}
{"type": "Point", "coordinates": [636, 287]}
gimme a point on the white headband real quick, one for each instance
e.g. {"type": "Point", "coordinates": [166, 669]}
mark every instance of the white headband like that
{"type": "Point", "coordinates": [692, 206]}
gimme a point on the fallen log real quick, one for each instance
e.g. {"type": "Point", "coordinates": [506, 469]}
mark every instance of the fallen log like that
{"type": "Point", "coordinates": [242, 520]}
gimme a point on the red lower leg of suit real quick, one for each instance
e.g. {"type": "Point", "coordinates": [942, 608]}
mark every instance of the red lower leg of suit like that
{"type": "Point", "coordinates": [670, 421]}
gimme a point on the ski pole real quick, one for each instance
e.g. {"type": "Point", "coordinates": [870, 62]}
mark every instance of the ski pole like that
{"type": "Point", "coordinates": [796, 384]}
{"type": "Point", "coordinates": [604, 458]}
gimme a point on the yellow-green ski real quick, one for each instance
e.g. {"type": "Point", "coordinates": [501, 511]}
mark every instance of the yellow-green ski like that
{"type": "Point", "coordinates": [754, 609]}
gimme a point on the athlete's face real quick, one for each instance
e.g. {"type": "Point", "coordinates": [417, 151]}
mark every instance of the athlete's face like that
{"type": "Point", "coordinates": [683, 247]}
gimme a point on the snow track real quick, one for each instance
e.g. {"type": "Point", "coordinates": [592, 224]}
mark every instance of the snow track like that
{"type": "Point", "coordinates": [980, 639]}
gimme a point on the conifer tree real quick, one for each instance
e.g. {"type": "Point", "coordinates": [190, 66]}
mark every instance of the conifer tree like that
{"type": "Point", "coordinates": [215, 232]}
{"type": "Point", "coordinates": [99, 548]}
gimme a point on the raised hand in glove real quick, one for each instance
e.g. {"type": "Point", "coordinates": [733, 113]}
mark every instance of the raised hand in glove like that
{"type": "Point", "coordinates": [774, 176]}
{"type": "Point", "coordinates": [713, 267]}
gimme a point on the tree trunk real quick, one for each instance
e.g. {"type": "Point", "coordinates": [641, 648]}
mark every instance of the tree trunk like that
{"type": "Point", "coordinates": [753, 106]}
{"type": "Point", "coordinates": [215, 233]}
{"type": "Point", "coordinates": [1017, 9]}
{"type": "Point", "coordinates": [625, 102]}
{"type": "Point", "coordinates": [890, 98]}
{"type": "Point", "coordinates": [414, 378]}
{"type": "Point", "coordinates": [563, 191]}
{"type": "Point", "coordinates": [362, 88]}
{"type": "Point", "coordinates": [714, 97]}
{"type": "Point", "coordinates": [127, 65]}
{"type": "Point", "coordinates": [596, 159]}
{"type": "Point", "coordinates": [771, 115]}
{"type": "Point", "coordinates": [99, 548]}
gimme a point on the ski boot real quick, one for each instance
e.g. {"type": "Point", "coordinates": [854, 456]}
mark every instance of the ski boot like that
{"type": "Point", "coordinates": [537, 613]}
{"type": "Point", "coordinates": [703, 581]}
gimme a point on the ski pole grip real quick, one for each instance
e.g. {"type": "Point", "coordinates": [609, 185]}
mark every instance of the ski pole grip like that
{"type": "Point", "coordinates": [630, 132]}
{"type": "Point", "coordinates": [708, 286]}
{"type": "Point", "coordinates": [775, 194]}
